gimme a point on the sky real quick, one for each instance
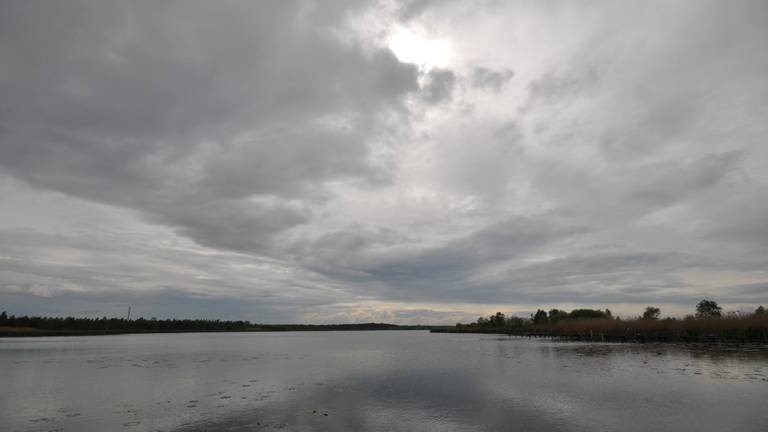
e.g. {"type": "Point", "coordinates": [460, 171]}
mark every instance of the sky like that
{"type": "Point", "coordinates": [407, 162]}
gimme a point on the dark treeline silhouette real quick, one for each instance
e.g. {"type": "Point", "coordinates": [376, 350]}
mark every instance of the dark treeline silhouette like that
{"type": "Point", "coordinates": [35, 325]}
{"type": "Point", "coordinates": [707, 324]}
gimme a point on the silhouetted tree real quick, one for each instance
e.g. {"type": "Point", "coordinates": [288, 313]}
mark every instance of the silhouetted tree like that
{"type": "Point", "coordinates": [540, 317]}
{"type": "Point", "coordinates": [651, 313]}
{"type": "Point", "coordinates": [557, 315]}
{"type": "Point", "coordinates": [587, 313]}
{"type": "Point", "coordinates": [4, 318]}
{"type": "Point", "coordinates": [514, 321]}
{"type": "Point", "coordinates": [497, 320]}
{"type": "Point", "coordinates": [708, 309]}
{"type": "Point", "coordinates": [759, 311]}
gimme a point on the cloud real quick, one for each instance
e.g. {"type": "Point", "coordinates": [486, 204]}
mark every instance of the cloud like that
{"type": "Point", "coordinates": [439, 85]}
{"type": "Point", "coordinates": [278, 158]}
{"type": "Point", "coordinates": [412, 273]}
{"type": "Point", "coordinates": [487, 79]}
{"type": "Point", "coordinates": [187, 111]}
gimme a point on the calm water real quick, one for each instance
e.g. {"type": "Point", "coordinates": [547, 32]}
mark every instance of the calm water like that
{"type": "Point", "coordinates": [373, 381]}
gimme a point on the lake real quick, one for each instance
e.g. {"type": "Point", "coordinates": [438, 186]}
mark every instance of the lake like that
{"type": "Point", "coordinates": [374, 381]}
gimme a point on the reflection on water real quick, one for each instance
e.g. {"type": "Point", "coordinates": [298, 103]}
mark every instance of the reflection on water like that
{"type": "Point", "coordinates": [375, 381]}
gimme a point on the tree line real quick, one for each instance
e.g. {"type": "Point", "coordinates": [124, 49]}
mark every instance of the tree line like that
{"type": "Point", "coordinates": [705, 309]}
{"type": "Point", "coordinates": [12, 325]}
{"type": "Point", "coordinates": [707, 324]}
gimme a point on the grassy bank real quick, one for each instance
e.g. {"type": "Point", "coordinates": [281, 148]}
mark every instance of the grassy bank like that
{"type": "Point", "coordinates": [753, 328]}
{"type": "Point", "coordinates": [708, 324]}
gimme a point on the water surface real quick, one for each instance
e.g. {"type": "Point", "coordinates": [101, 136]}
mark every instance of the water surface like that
{"type": "Point", "coordinates": [374, 381]}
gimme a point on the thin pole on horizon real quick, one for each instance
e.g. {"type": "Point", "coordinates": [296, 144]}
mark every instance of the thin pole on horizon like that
{"type": "Point", "coordinates": [129, 314]}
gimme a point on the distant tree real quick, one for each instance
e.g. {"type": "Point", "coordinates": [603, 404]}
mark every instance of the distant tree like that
{"type": "Point", "coordinates": [587, 313]}
{"type": "Point", "coordinates": [759, 311]}
{"type": "Point", "coordinates": [651, 313]}
{"type": "Point", "coordinates": [608, 313]}
{"type": "Point", "coordinates": [514, 321]}
{"type": "Point", "coordinates": [557, 315]}
{"type": "Point", "coordinates": [708, 309]}
{"type": "Point", "coordinates": [540, 317]}
{"type": "Point", "coordinates": [4, 317]}
{"type": "Point", "coordinates": [497, 320]}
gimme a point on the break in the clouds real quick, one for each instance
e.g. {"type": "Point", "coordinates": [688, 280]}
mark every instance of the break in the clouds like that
{"type": "Point", "coordinates": [381, 161]}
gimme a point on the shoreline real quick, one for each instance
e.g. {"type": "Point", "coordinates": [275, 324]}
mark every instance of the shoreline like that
{"type": "Point", "coordinates": [612, 337]}
{"type": "Point", "coordinates": [29, 332]}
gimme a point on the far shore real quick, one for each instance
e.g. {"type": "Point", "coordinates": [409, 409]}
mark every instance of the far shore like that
{"type": "Point", "coordinates": [708, 325]}
{"type": "Point", "coordinates": [11, 332]}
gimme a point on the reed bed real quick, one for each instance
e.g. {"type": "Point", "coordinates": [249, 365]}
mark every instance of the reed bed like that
{"type": "Point", "coordinates": [753, 328]}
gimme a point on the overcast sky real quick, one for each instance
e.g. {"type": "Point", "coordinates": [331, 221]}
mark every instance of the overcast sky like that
{"type": "Point", "coordinates": [415, 162]}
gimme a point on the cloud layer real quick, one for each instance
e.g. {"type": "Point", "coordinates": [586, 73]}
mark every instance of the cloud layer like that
{"type": "Point", "coordinates": [279, 161]}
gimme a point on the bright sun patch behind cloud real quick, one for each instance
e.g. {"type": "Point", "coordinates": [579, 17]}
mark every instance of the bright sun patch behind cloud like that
{"type": "Point", "coordinates": [414, 47]}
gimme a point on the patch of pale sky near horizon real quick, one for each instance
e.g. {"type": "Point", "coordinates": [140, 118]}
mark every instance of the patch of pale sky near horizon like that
{"type": "Point", "coordinates": [85, 236]}
{"type": "Point", "coordinates": [124, 229]}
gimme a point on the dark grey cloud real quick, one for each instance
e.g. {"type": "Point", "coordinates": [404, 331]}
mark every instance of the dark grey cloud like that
{"type": "Point", "coordinates": [411, 272]}
{"type": "Point", "coordinates": [411, 9]}
{"type": "Point", "coordinates": [188, 110]}
{"type": "Point", "coordinates": [439, 86]}
{"type": "Point", "coordinates": [488, 79]}
{"type": "Point", "coordinates": [669, 182]}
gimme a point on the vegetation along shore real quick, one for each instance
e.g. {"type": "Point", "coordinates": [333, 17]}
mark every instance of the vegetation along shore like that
{"type": "Point", "coordinates": [13, 326]}
{"type": "Point", "coordinates": [708, 324]}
